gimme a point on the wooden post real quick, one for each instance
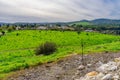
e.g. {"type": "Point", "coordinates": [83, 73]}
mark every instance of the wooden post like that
{"type": "Point", "coordinates": [82, 48]}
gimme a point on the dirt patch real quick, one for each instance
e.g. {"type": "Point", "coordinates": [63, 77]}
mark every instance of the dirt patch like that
{"type": "Point", "coordinates": [65, 69]}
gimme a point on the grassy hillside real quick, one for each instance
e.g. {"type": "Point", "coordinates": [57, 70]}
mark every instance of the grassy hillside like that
{"type": "Point", "coordinates": [17, 48]}
{"type": "Point", "coordinates": [81, 23]}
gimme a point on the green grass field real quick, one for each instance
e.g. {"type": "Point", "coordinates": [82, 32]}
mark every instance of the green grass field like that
{"type": "Point", "coordinates": [17, 52]}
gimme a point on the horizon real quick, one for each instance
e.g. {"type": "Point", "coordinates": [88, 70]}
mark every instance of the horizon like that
{"type": "Point", "coordinates": [61, 21]}
{"type": "Point", "coordinates": [43, 11]}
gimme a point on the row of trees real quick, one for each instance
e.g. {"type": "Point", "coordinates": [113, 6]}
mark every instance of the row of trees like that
{"type": "Point", "coordinates": [76, 27]}
{"type": "Point", "coordinates": [97, 27]}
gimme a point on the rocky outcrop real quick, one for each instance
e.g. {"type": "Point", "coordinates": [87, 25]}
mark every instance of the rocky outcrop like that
{"type": "Point", "coordinates": [108, 71]}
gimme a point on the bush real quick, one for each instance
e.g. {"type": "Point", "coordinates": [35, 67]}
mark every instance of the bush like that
{"type": "Point", "coordinates": [3, 32]}
{"type": "Point", "coordinates": [17, 34]}
{"type": "Point", "coordinates": [47, 48]}
{"type": "Point", "coordinates": [78, 32]}
{"type": "Point", "coordinates": [11, 28]}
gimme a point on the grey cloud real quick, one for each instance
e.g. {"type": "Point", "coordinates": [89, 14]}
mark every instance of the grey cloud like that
{"type": "Point", "coordinates": [57, 10]}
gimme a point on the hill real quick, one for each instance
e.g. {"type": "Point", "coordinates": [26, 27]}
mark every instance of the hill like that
{"type": "Point", "coordinates": [105, 21]}
{"type": "Point", "coordinates": [17, 47]}
{"type": "Point", "coordinates": [83, 22]}
{"type": "Point", "coordinates": [101, 21]}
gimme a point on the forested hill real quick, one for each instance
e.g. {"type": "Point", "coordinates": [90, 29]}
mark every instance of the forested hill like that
{"type": "Point", "coordinates": [105, 21]}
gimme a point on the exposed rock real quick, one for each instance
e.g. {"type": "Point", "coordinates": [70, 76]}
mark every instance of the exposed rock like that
{"type": "Point", "coordinates": [93, 73]}
{"type": "Point", "coordinates": [117, 59]}
{"type": "Point", "coordinates": [107, 77]}
{"type": "Point", "coordinates": [100, 75]}
{"type": "Point", "coordinates": [105, 68]}
{"type": "Point", "coordinates": [116, 77]}
{"type": "Point", "coordinates": [89, 65]}
{"type": "Point", "coordinates": [108, 71]}
{"type": "Point", "coordinates": [81, 67]}
{"type": "Point", "coordinates": [99, 63]}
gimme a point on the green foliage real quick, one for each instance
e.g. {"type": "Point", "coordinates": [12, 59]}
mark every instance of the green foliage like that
{"type": "Point", "coordinates": [10, 28]}
{"type": "Point", "coordinates": [47, 48]}
{"type": "Point", "coordinates": [80, 23]}
{"type": "Point", "coordinates": [3, 32]}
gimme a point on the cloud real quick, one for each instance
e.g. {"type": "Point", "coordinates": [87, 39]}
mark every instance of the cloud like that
{"type": "Point", "coordinates": [57, 10]}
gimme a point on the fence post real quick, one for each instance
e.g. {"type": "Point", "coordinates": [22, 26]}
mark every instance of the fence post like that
{"type": "Point", "coordinates": [82, 46]}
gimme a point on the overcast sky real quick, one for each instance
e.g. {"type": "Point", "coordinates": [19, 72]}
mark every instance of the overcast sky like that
{"type": "Point", "coordinates": [57, 10]}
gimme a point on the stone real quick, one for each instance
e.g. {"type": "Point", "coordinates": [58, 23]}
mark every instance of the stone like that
{"type": "Point", "coordinates": [107, 77]}
{"type": "Point", "coordinates": [117, 59]}
{"type": "Point", "coordinates": [57, 76]}
{"type": "Point", "coordinates": [77, 73]}
{"type": "Point", "coordinates": [108, 71]}
{"type": "Point", "coordinates": [112, 66]}
{"type": "Point", "coordinates": [93, 73]}
{"type": "Point", "coordinates": [100, 75]}
{"type": "Point", "coordinates": [77, 79]}
{"type": "Point", "coordinates": [99, 63]}
{"type": "Point", "coordinates": [105, 68]}
{"type": "Point", "coordinates": [89, 65]}
{"type": "Point", "coordinates": [81, 67]}
{"type": "Point", "coordinates": [116, 77]}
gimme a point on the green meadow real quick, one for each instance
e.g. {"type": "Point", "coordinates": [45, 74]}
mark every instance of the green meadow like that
{"type": "Point", "coordinates": [17, 48]}
{"type": "Point", "coordinates": [81, 23]}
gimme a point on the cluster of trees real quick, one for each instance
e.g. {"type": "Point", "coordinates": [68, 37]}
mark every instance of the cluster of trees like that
{"type": "Point", "coordinates": [23, 26]}
{"type": "Point", "coordinates": [98, 27]}
{"type": "Point", "coordinates": [8, 28]}
{"type": "Point", "coordinates": [103, 28]}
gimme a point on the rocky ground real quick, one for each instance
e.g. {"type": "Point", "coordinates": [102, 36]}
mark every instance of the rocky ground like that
{"type": "Point", "coordinates": [95, 67]}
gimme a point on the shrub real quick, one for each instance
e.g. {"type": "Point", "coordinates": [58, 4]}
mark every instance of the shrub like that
{"type": "Point", "coordinates": [11, 28]}
{"type": "Point", "coordinates": [47, 48]}
{"type": "Point", "coordinates": [17, 34]}
{"type": "Point", "coordinates": [3, 32]}
{"type": "Point", "coordinates": [78, 32]}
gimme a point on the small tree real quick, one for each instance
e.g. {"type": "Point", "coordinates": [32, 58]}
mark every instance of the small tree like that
{"type": "Point", "coordinates": [47, 48]}
{"type": "Point", "coordinates": [11, 28]}
{"type": "Point", "coordinates": [3, 32]}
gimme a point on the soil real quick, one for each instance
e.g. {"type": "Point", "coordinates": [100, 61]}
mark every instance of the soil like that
{"type": "Point", "coordinates": [64, 69]}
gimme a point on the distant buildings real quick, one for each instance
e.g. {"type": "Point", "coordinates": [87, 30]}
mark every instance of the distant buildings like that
{"type": "Point", "coordinates": [18, 28]}
{"type": "Point", "coordinates": [42, 28]}
{"type": "Point", "coordinates": [89, 30]}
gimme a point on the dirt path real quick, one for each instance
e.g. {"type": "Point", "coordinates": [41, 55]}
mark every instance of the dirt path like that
{"type": "Point", "coordinates": [65, 69]}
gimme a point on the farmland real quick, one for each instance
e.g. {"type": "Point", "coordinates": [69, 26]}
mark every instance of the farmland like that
{"type": "Point", "coordinates": [17, 47]}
